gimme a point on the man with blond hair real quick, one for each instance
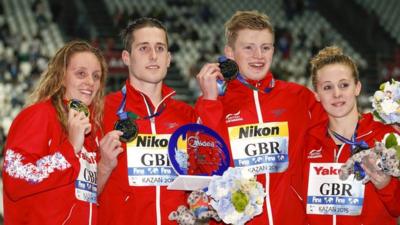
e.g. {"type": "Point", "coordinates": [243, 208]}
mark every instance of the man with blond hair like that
{"type": "Point", "coordinates": [263, 119]}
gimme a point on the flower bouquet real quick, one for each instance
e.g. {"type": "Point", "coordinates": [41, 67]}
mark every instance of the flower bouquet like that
{"type": "Point", "coordinates": [385, 153]}
{"type": "Point", "coordinates": [386, 103]}
{"type": "Point", "coordinates": [235, 197]}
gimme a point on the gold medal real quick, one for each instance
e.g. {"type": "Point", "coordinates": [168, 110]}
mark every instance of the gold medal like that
{"type": "Point", "coordinates": [78, 106]}
{"type": "Point", "coordinates": [129, 129]}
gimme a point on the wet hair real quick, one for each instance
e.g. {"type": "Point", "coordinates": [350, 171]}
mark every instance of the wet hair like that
{"type": "Point", "coordinates": [328, 56]}
{"type": "Point", "coordinates": [252, 20]}
{"type": "Point", "coordinates": [127, 33]}
{"type": "Point", "coordinates": [51, 82]}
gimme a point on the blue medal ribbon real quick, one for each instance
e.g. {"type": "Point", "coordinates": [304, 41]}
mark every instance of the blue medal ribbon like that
{"type": "Point", "coordinates": [123, 115]}
{"type": "Point", "coordinates": [355, 145]}
{"type": "Point", "coordinates": [247, 84]}
{"type": "Point", "coordinates": [221, 85]}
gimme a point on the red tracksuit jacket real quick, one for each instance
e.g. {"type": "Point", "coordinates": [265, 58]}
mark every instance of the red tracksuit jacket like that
{"type": "Point", "coordinates": [40, 170]}
{"type": "Point", "coordinates": [120, 203]}
{"type": "Point", "coordinates": [286, 102]}
{"type": "Point", "coordinates": [378, 205]}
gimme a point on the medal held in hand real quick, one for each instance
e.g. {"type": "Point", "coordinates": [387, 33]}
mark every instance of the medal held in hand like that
{"type": "Point", "coordinates": [228, 67]}
{"type": "Point", "coordinates": [128, 127]}
{"type": "Point", "coordinates": [125, 124]}
{"type": "Point", "coordinates": [229, 70]}
{"type": "Point", "coordinates": [78, 106]}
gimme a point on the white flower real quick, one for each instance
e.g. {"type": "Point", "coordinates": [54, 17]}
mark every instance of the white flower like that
{"type": "Point", "coordinates": [250, 210]}
{"type": "Point", "coordinates": [222, 191]}
{"type": "Point", "coordinates": [386, 102]}
{"type": "Point", "coordinates": [246, 174]}
{"type": "Point", "coordinates": [232, 217]}
{"type": "Point", "coordinates": [379, 95]}
{"type": "Point", "coordinates": [389, 106]}
{"type": "Point", "coordinates": [389, 88]}
{"type": "Point", "coordinates": [236, 196]}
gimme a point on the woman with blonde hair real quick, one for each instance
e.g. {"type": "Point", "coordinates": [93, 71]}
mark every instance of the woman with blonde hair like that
{"type": "Point", "coordinates": [51, 153]}
{"type": "Point", "coordinates": [329, 200]}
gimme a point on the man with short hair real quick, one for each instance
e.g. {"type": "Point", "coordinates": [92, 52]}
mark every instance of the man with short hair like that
{"type": "Point", "coordinates": [263, 119]}
{"type": "Point", "coordinates": [135, 191]}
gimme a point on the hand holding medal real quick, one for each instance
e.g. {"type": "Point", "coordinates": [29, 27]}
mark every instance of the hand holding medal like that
{"type": "Point", "coordinates": [78, 123]}
{"type": "Point", "coordinates": [229, 70]}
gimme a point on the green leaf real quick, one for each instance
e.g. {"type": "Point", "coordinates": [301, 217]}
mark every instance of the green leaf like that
{"type": "Point", "coordinates": [376, 114]}
{"type": "Point", "coordinates": [382, 86]}
{"type": "Point", "coordinates": [391, 141]}
{"type": "Point", "coordinates": [239, 201]}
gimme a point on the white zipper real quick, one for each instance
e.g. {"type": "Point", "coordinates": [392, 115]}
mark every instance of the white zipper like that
{"type": "Point", "coordinates": [158, 208]}
{"type": "Point", "coordinates": [153, 131]}
{"type": "Point", "coordinates": [267, 178]}
{"type": "Point", "coordinates": [258, 108]}
{"type": "Point", "coordinates": [90, 215]}
{"type": "Point", "coordinates": [268, 200]}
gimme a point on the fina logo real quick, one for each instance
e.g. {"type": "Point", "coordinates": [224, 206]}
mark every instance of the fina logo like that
{"type": "Point", "coordinates": [195, 142]}
{"type": "Point", "coordinates": [233, 117]}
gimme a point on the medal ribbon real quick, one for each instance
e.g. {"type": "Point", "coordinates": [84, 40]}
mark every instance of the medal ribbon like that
{"type": "Point", "coordinates": [354, 144]}
{"type": "Point", "coordinates": [122, 114]}
{"type": "Point", "coordinates": [247, 84]}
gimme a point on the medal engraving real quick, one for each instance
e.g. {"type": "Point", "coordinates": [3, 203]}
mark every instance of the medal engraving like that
{"type": "Point", "coordinates": [78, 106]}
{"type": "Point", "coordinates": [129, 128]}
{"type": "Point", "coordinates": [229, 69]}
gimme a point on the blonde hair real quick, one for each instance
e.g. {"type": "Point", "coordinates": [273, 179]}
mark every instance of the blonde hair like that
{"type": "Point", "coordinates": [51, 82]}
{"type": "Point", "coordinates": [252, 20]}
{"type": "Point", "coordinates": [331, 55]}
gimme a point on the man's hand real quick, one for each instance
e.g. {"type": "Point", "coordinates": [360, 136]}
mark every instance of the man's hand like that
{"type": "Point", "coordinates": [207, 78]}
{"type": "Point", "coordinates": [110, 148]}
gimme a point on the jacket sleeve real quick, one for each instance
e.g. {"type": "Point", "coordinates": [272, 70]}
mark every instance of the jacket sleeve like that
{"type": "Point", "coordinates": [211, 114]}
{"type": "Point", "coordinates": [36, 161]}
{"type": "Point", "coordinates": [390, 196]}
